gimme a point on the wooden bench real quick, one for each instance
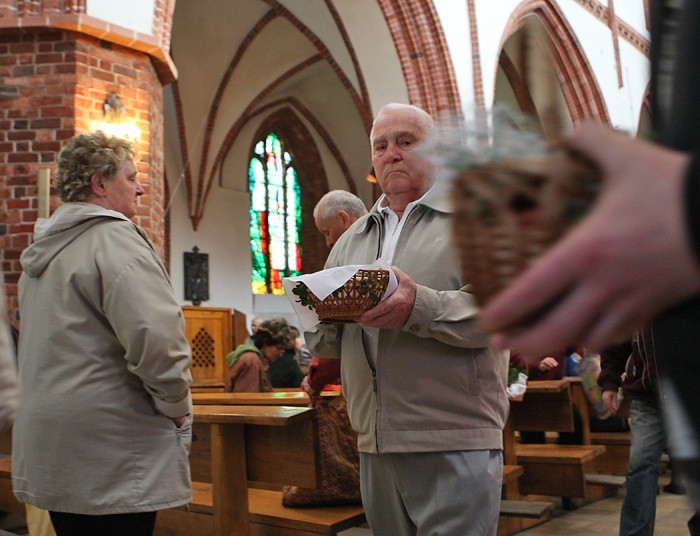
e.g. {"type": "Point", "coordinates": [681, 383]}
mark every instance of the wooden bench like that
{"type": "Point", "coordinates": [275, 398]}
{"type": "Point", "coordinates": [236, 445]}
{"type": "Point", "coordinates": [552, 469]}
{"type": "Point", "coordinates": [617, 452]}
{"type": "Point", "coordinates": [517, 513]}
{"type": "Point", "coordinates": [8, 502]}
{"type": "Point", "coordinates": [512, 507]}
{"type": "Point", "coordinates": [267, 516]}
{"type": "Point", "coordinates": [617, 445]}
{"type": "Point", "coordinates": [201, 455]}
{"type": "Point", "coordinates": [208, 388]}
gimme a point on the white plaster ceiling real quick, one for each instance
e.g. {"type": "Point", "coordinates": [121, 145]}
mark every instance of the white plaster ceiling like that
{"type": "Point", "coordinates": [324, 55]}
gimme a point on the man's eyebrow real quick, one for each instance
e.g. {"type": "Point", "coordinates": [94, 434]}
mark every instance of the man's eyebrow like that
{"type": "Point", "coordinates": [397, 135]}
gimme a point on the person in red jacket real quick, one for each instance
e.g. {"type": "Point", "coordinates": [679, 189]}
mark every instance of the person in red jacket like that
{"type": "Point", "coordinates": [323, 372]}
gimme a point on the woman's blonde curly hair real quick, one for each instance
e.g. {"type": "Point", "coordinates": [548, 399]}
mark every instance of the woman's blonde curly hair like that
{"type": "Point", "coordinates": [85, 155]}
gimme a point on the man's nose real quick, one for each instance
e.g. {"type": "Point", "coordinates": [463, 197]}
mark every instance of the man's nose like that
{"type": "Point", "coordinates": [393, 154]}
{"type": "Point", "coordinates": [329, 242]}
{"type": "Point", "coordinates": [139, 189]}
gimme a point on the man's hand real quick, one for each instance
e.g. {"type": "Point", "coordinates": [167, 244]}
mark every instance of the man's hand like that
{"type": "Point", "coordinates": [306, 387]}
{"type": "Point", "coordinates": [611, 399]}
{"type": "Point", "coordinates": [547, 363]}
{"type": "Point", "coordinates": [627, 261]}
{"type": "Point", "coordinates": [396, 309]}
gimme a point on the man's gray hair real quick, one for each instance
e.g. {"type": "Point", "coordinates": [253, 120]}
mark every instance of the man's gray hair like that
{"type": "Point", "coordinates": [337, 200]}
{"type": "Point", "coordinates": [425, 120]}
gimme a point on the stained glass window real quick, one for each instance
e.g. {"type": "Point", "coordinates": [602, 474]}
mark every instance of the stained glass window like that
{"type": "Point", "coordinates": [275, 216]}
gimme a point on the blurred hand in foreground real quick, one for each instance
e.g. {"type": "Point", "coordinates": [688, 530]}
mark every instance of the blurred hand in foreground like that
{"type": "Point", "coordinates": [627, 261]}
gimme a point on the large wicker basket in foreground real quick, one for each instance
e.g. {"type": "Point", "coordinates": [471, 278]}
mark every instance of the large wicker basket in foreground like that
{"type": "Point", "coordinates": [360, 293]}
{"type": "Point", "coordinates": [509, 211]}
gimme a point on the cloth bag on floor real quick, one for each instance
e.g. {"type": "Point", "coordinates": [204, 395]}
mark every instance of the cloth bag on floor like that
{"type": "Point", "coordinates": [340, 459]}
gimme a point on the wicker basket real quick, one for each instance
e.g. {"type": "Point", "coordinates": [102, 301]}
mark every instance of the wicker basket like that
{"type": "Point", "coordinates": [509, 211]}
{"type": "Point", "coordinates": [360, 293]}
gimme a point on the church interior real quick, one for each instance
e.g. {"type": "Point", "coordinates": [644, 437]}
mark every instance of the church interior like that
{"type": "Point", "coordinates": [224, 97]}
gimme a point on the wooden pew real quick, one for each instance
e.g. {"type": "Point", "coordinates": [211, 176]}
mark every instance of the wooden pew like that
{"type": "Point", "coordinates": [274, 454]}
{"type": "Point", "coordinates": [600, 483]}
{"type": "Point", "coordinates": [8, 502]}
{"type": "Point", "coordinates": [200, 453]}
{"type": "Point", "coordinates": [517, 512]}
{"type": "Point", "coordinates": [200, 462]}
{"type": "Point", "coordinates": [267, 516]}
{"type": "Point", "coordinates": [275, 398]}
{"type": "Point", "coordinates": [617, 445]}
{"type": "Point", "coordinates": [552, 469]}
{"type": "Point", "coordinates": [208, 388]}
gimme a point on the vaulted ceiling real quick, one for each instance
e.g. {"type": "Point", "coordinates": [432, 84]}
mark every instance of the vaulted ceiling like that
{"type": "Point", "coordinates": [329, 63]}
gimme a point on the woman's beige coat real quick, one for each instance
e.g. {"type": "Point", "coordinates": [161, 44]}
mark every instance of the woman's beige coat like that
{"type": "Point", "coordinates": [103, 365]}
{"type": "Point", "coordinates": [8, 371]}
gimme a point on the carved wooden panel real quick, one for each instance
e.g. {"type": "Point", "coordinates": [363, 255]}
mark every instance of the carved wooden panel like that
{"type": "Point", "coordinates": [209, 331]}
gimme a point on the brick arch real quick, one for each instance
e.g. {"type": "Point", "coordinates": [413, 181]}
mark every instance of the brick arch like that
{"type": "Point", "coordinates": [425, 61]}
{"type": "Point", "coordinates": [312, 176]}
{"type": "Point", "coordinates": [580, 88]}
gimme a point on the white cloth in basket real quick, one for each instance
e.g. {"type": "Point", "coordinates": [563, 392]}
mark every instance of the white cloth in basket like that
{"type": "Point", "coordinates": [326, 281]}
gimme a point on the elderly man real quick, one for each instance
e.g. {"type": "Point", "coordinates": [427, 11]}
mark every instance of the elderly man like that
{"type": "Point", "coordinates": [425, 392]}
{"type": "Point", "coordinates": [335, 212]}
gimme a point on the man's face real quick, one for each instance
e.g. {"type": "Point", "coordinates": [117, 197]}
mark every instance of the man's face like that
{"type": "Point", "coordinates": [123, 190]}
{"type": "Point", "coordinates": [332, 227]}
{"type": "Point", "coordinates": [396, 134]}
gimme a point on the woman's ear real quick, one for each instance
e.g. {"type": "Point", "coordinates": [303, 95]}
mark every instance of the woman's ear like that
{"type": "Point", "coordinates": [97, 181]}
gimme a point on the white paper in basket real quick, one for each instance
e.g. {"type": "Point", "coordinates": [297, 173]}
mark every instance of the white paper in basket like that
{"type": "Point", "coordinates": [326, 281]}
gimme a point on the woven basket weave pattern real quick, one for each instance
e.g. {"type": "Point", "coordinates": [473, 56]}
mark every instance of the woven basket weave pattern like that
{"type": "Point", "coordinates": [508, 212]}
{"type": "Point", "coordinates": [359, 294]}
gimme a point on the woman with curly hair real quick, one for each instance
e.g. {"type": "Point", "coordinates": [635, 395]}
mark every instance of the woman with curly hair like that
{"type": "Point", "coordinates": [249, 362]}
{"type": "Point", "coordinates": [103, 433]}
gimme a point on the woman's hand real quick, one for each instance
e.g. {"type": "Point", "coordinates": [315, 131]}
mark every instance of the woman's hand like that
{"type": "Point", "coordinates": [179, 421]}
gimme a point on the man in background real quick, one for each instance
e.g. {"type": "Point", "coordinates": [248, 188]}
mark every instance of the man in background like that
{"type": "Point", "coordinates": [335, 212]}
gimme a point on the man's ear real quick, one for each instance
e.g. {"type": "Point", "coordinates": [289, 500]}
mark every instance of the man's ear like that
{"type": "Point", "coordinates": [344, 217]}
{"type": "Point", "coordinates": [97, 182]}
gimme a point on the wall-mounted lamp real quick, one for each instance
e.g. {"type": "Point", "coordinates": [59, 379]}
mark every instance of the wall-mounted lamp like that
{"type": "Point", "coordinates": [116, 122]}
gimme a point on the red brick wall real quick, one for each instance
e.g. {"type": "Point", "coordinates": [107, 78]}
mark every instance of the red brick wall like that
{"type": "Point", "coordinates": [54, 83]}
{"type": "Point", "coordinates": [420, 43]}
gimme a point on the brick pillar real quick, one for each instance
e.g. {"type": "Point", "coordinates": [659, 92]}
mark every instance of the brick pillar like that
{"type": "Point", "coordinates": [52, 86]}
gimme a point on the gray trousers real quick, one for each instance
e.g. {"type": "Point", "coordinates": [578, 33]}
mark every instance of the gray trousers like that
{"type": "Point", "coordinates": [455, 493]}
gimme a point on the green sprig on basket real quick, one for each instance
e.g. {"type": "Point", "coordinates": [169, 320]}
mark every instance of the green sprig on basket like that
{"type": "Point", "coordinates": [513, 373]}
{"type": "Point", "coordinates": [372, 287]}
{"type": "Point", "coordinates": [304, 294]}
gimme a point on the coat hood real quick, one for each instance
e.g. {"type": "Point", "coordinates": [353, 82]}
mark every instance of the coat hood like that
{"type": "Point", "coordinates": [53, 234]}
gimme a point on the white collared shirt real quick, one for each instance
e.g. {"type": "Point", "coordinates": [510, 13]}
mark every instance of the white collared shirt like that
{"type": "Point", "coordinates": [392, 231]}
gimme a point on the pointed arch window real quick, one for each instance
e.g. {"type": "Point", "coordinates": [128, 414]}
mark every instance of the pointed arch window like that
{"type": "Point", "coordinates": [275, 215]}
